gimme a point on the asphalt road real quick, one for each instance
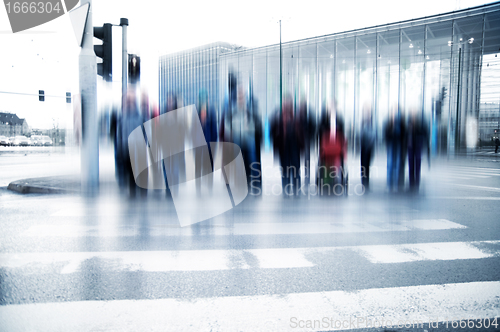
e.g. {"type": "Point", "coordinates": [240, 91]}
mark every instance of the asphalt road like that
{"type": "Point", "coordinates": [425, 262]}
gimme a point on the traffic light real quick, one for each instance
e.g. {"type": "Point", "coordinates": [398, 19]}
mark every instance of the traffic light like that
{"type": "Point", "coordinates": [443, 92]}
{"type": "Point", "coordinates": [68, 97]}
{"type": "Point", "coordinates": [104, 51]}
{"type": "Point", "coordinates": [134, 68]}
{"type": "Point", "coordinates": [41, 95]}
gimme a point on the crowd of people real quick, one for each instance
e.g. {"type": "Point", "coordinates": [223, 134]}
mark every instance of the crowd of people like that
{"type": "Point", "coordinates": [298, 138]}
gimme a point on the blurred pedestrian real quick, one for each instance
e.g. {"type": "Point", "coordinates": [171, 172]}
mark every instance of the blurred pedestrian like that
{"type": "Point", "coordinates": [244, 131]}
{"type": "Point", "coordinates": [395, 137]}
{"type": "Point", "coordinates": [255, 165]}
{"type": "Point", "coordinates": [287, 145]}
{"type": "Point", "coordinates": [130, 120]}
{"type": "Point", "coordinates": [367, 146]}
{"type": "Point", "coordinates": [418, 140]}
{"type": "Point", "coordinates": [241, 125]}
{"type": "Point", "coordinates": [209, 126]}
{"type": "Point", "coordinates": [308, 128]}
{"type": "Point", "coordinates": [227, 110]}
{"type": "Point", "coordinates": [169, 164]}
{"type": "Point", "coordinates": [332, 172]}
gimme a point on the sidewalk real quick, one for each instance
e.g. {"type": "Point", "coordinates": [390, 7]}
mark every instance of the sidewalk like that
{"type": "Point", "coordinates": [70, 184]}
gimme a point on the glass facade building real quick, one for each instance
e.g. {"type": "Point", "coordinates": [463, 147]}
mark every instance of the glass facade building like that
{"type": "Point", "coordinates": [188, 72]}
{"type": "Point", "coordinates": [431, 66]}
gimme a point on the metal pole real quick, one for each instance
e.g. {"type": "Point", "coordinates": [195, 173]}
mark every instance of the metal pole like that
{"type": "Point", "coordinates": [89, 152]}
{"type": "Point", "coordinates": [124, 25]}
{"type": "Point", "coordinates": [457, 136]}
{"type": "Point", "coordinates": [281, 81]}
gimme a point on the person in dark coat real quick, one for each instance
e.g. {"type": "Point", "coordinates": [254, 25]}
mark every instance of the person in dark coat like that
{"type": "Point", "coordinates": [287, 143]}
{"type": "Point", "coordinates": [255, 165]}
{"type": "Point", "coordinates": [395, 137]}
{"type": "Point", "coordinates": [367, 147]}
{"type": "Point", "coordinates": [131, 119]}
{"type": "Point", "coordinates": [308, 131]}
{"type": "Point", "coordinates": [418, 140]}
{"type": "Point", "coordinates": [209, 127]}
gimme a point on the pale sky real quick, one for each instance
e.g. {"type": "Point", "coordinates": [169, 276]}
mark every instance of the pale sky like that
{"type": "Point", "coordinates": [46, 57]}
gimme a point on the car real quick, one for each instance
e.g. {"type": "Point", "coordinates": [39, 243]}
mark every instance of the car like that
{"type": "Point", "coordinates": [4, 141]}
{"type": "Point", "coordinates": [35, 140]}
{"type": "Point", "coordinates": [13, 141]}
{"type": "Point", "coordinates": [22, 140]}
{"type": "Point", "coordinates": [46, 141]}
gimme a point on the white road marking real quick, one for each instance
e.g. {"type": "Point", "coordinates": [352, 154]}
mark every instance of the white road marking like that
{"type": "Point", "coordinates": [466, 198]}
{"type": "Point", "coordinates": [477, 187]}
{"type": "Point", "coordinates": [114, 229]}
{"type": "Point", "coordinates": [427, 252]}
{"type": "Point", "coordinates": [478, 174]}
{"type": "Point", "coordinates": [462, 175]}
{"type": "Point", "coordinates": [161, 261]}
{"type": "Point", "coordinates": [469, 171]}
{"type": "Point", "coordinates": [489, 169]}
{"type": "Point", "coordinates": [218, 260]}
{"type": "Point", "coordinates": [281, 312]}
{"type": "Point", "coordinates": [342, 227]}
{"type": "Point", "coordinates": [452, 177]}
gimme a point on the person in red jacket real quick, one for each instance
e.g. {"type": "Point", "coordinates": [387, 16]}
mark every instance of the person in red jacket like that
{"type": "Point", "coordinates": [332, 154]}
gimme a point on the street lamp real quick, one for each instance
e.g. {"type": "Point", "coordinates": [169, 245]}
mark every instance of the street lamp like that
{"type": "Point", "coordinates": [281, 70]}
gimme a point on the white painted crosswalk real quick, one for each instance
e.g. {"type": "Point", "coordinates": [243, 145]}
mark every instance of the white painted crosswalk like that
{"type": "Point", "coordinates": [419, 307]}
{"type": "Point", "coordinates": [451, 173]}
{"type": "Point", "coordinates": [275, 258]}
{"type": "Point", "coordinates": [294, 307]}
{"type": "Point", "coordinates": [261, 228]}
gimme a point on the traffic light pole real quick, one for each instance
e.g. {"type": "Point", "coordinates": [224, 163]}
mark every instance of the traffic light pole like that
{"type": "Point", "coordinates": [89, 152]}
{"type": "Point", "coordinates": [281, 76]}
{"type": "Point", "coordinates": [124, 25]}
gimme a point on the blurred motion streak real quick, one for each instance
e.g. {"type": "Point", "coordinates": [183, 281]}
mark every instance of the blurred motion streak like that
{"type": "Point", "coordinates": [170, 138]}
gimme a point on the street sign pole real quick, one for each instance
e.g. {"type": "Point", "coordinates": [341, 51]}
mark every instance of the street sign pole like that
{"type": "Point", "coordinates": [89, 152]}
{"type": "Point", "coordinates": [281, 75]}
{"type": "Point", "coordinates": [124, 25]}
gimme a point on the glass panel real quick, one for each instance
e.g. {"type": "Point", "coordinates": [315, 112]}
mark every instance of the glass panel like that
{"type": "Point", "coordinates": [326, 78]}
{"type": "Point", "coordinates": [273, 80]}
{"type": "Point", "coordinates": [345, 70]}
{"type": "Point", "coordinates": [290, 71]}
{"type": "Point", "coordinates": [387, 75]}
{"type": "Point", "coordinates": [412, 70]}
{"type": "Point", "coordinates": [437, 85]}
{"type": "Point", "coordinates": [308, 77]}
{"type": "Point", "coordinates": [366, 47]}
{"type": "Point", "coordinates": [491, 32]}
{"type": "Point", "coordinates": [489, 115]}
{"type": "Point", "coordinates": [244, 71]}
{"type": "Point", "coordinates": [259, 82]}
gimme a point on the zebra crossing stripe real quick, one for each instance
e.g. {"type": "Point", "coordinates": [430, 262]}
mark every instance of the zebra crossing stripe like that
{"type": "Point", "coordinates": [475, 198]}
{"type": "Point", "coordinates": [483, 188]}
{"type": "Point", "coordinates": [342, 227]}
{"type": "Point", "coordinates": [262, 228]}
{"type": "Point", "coordinates": [452, 177]}
{"type": "Point", "coordinates": [429, 251]}
{"type": "Point", "coordinates": [413, 306]}
{"type": "Point", "coordinates": [476, 173]}
{"type": "Point", "coordinates": [274, 258]}
{"type": "Point", "coordinates": [482, 169]}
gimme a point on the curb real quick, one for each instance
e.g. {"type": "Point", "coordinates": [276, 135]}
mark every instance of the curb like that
{"type": "Point", "coordinates": [24, 187]}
